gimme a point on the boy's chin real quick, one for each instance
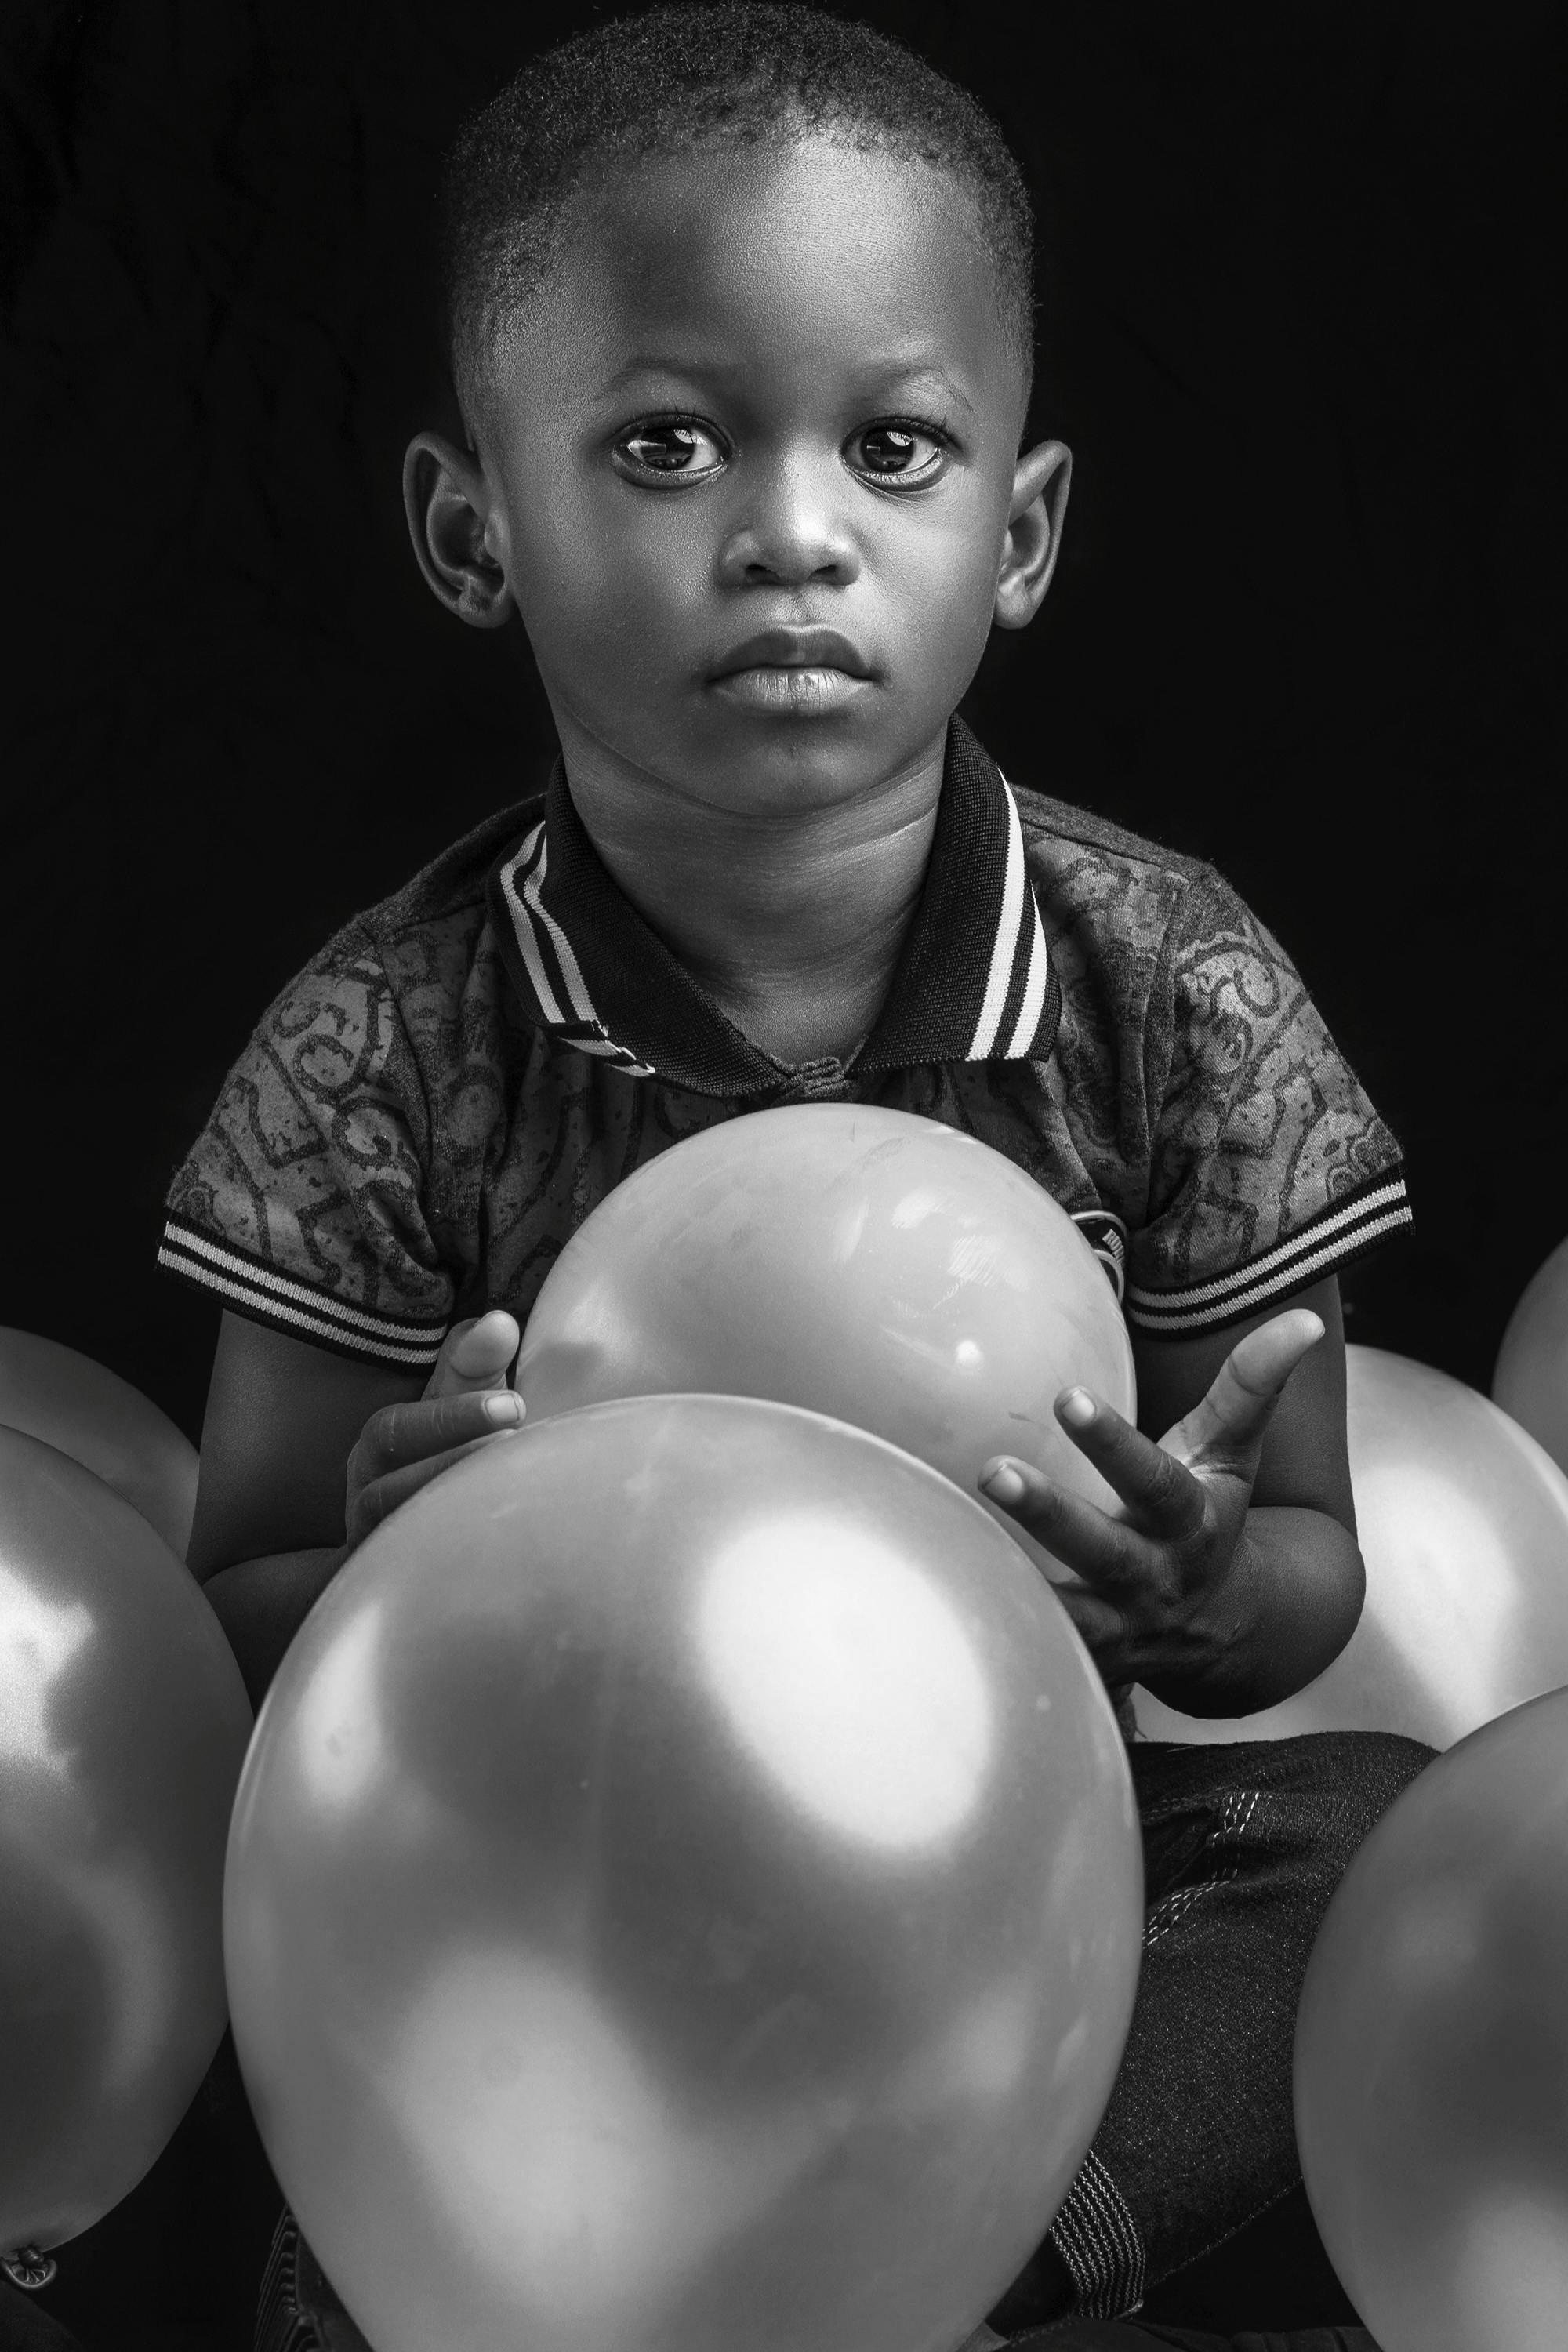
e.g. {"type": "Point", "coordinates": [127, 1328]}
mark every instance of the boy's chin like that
{"type": "Point", "coordinates": [724, 753]}
{"type": "Point", "coordinates": [792, 772]}
{"type": "Point", "coordinates": [753, 759]}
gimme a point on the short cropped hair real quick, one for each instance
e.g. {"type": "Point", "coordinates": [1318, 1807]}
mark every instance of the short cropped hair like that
{"type": "Point", "coordinates": [734, 74]}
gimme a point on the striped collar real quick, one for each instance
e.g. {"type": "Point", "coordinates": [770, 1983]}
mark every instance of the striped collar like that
{"type": "Point", "coordinates": [973, 981]}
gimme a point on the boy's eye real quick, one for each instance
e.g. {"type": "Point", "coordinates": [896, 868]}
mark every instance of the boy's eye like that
{"type": "Point", "coordinates": [897, 453]}
{"type": "Point", "coordinates": [680, 450]}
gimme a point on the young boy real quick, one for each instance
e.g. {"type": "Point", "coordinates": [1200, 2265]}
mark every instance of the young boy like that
{"type": "Point", "coordinates": [742, 330]}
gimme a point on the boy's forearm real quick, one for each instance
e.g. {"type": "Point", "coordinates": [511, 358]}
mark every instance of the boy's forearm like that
{"type": "Point", "coordinates": [1309, 1585]}
{"type": "Point", "coordinates": [262, 1603]}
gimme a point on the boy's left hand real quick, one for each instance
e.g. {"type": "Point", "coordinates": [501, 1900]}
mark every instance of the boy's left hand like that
{"type": "Point", "coordinates": [1169, 1582]}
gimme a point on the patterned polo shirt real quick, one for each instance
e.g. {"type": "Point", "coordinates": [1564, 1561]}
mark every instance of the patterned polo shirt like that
{"type": "Point", "coordinates": [426, 1116]}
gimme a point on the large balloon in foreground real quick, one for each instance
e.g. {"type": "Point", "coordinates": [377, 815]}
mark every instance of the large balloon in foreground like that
{"type": "Point", "coordinates": [123, 1726]}
{"type": "Point", "coordinates": [1531, 1381]}
{"type": "Point", "coordinates": [685, 1891]}
{"type": "Point", "coordinates": [1463, 1523]}
{"type": "Point", "coordinates": [86, 1411]}
{"type": "Point", "coordinates": [1432, 2053]}
{"type": "Point", "coordinates": [863, 1263]}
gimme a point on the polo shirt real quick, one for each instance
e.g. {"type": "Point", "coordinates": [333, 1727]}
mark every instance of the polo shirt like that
{"type": "Point", "coordinates": [427, 1113]}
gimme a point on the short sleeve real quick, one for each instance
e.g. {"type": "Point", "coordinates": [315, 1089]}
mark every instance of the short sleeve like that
{"type": "Point", "coordinates": [301, 1205]}
{"type": "Point", "coordinates": [1268, 1167]}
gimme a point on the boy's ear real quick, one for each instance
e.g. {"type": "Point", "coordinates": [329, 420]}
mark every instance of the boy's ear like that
{"type": "Point", "coordinates": [1040, 484]}
{"type": "Point", "coordinates": [460, 540]}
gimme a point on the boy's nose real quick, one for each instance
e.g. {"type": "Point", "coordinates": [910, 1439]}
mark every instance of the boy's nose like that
{"type": "Point", "coordinates": [795, 531]}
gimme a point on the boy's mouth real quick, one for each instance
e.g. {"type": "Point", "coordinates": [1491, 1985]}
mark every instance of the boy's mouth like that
{"type": "Point", "coordinates": [793, 670]}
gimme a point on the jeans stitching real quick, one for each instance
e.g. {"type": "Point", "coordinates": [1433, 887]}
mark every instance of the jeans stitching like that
{"type": "Point", "coordinates": [1172, 1909]}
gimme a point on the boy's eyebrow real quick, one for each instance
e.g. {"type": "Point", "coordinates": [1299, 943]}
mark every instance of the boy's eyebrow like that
{"type": "Point", "coordinates": [925, 378]}
{"type": "Point", "coordinates": [909, 373]}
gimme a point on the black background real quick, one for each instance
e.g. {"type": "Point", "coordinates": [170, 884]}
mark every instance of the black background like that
{"type": "Point", "coordinates": [1308, 347]}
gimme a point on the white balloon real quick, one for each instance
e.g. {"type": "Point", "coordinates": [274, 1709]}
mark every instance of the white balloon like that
{"type": "Point", "coordinates": [64, 1399]}
{"type": "Point", "coordinates": [1531, 1377]}
{"type": "Point", "coordinates": [1463, 1521]}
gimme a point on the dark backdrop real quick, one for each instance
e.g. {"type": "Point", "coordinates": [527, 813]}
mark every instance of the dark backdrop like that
{"type": "Point", "coordinates": [1308, 349]}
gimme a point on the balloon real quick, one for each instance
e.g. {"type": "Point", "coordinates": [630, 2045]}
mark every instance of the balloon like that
{"type": "Point", "coordinates": [685, 1891]}
{"type": "Point", "coordinates": [862, 1263]}
{"type": "Point", "coordinates": [1464, 1528]}
{"type": "Point", "coordinates": [123, 1723]}
{"type": "Point", "coordinates": [1432, 2051]}
{"type": "Point", "coordinates": [1531, 1377]}
{"type": "Point", "coordinates": [100, 1421]}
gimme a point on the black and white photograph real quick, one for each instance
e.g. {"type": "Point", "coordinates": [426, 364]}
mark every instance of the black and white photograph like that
{"type": "Point", "coordinates": [783, 1345]}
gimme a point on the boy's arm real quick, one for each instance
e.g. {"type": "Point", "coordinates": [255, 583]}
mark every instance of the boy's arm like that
{"type": "Point", "coordinates": [1231, 1577]}
{"type": "Point", "coordinates": [282, 1419]}
{"type": "Point", "coordinates": [303, 1451]}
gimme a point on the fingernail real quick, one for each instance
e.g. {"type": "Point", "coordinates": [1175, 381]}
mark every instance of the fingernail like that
{"type": "Point", "coordinates": [504, 1409]}
{"type": "Point", "coordinates": [1077, 1408]}
{"type": "Point", "coordinates": [1004, 1484]}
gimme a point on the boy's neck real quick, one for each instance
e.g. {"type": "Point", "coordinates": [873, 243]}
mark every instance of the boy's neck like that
{"type": "Point", "coordinates": [792, 923]}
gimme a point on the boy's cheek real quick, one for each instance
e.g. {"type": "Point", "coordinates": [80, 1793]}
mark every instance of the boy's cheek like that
{"type": "Point", "coordinates": [613, 640]}
{"type": "Point", "coordinates": [941, 605]}
{"type": "Point", "coordinates": [582, 592]}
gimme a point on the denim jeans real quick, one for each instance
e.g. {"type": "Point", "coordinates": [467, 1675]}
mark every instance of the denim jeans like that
{"type": "Point", "coordinates": [1243, 1847]}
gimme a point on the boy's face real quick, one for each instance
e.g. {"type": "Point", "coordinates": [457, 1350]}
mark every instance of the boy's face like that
{"type": "Point", "coordinates": [767, 394]}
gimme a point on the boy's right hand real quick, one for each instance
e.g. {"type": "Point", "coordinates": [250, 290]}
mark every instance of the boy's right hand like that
{"type": "Point", "coordinates": [467, 1404]}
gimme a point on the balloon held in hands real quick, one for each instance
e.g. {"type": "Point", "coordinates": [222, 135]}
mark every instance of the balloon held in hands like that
{"type": "Point", "coordinates": [863, 1263]}
{"type": "Point", "coordinates": [685, 1891]}
{"type": "Point", "coordinates": [1432, 2051]}
{"type": "Point", "coordinates": [122, 1726]}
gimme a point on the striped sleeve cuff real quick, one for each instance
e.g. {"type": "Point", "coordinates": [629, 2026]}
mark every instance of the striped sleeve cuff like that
{"type": "Point", "coordinates": [1345, 1230]}
{"type": "Point", "coordinates": [258, 1291]}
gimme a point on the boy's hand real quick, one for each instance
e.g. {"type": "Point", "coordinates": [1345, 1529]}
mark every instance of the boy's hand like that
{"type": "Point", "coordinates": [466, 1404]}
{"type": "Point", "coordinates": [1170, 1581]}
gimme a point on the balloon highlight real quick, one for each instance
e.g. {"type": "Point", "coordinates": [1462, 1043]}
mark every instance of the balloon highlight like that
{"type": "Point", "coordinates": [122, 1726]}
{"type": "Point", "coordinates": [685, 1885]}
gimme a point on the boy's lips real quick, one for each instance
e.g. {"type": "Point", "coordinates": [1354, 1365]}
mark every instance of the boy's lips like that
{"type": "Point", "coordinates": [793, 670]}
{"type": "Point", "coordinates": [793, 649]}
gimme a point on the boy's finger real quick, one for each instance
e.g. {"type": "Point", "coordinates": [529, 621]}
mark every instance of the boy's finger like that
{"type": "Point", "coordinates": [1100, 1625]}
{"type": "Point", "coordinates": [382, 1497]}
{"type": "Point", "coordinates": [1157, 1488]}
{"type": "Point", "coordinates": [401, 1434]}
{"type": "Point", "coordinates": [1229, 1424]}
{"type": "Point", "coordinates": [1106, 1552]}
{"type": "Point", "coordinates": [476, 1355]}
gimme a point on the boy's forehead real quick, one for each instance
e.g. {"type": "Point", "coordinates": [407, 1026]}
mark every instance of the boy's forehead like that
{"type": "Point", "coordinates": [808, 254]}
